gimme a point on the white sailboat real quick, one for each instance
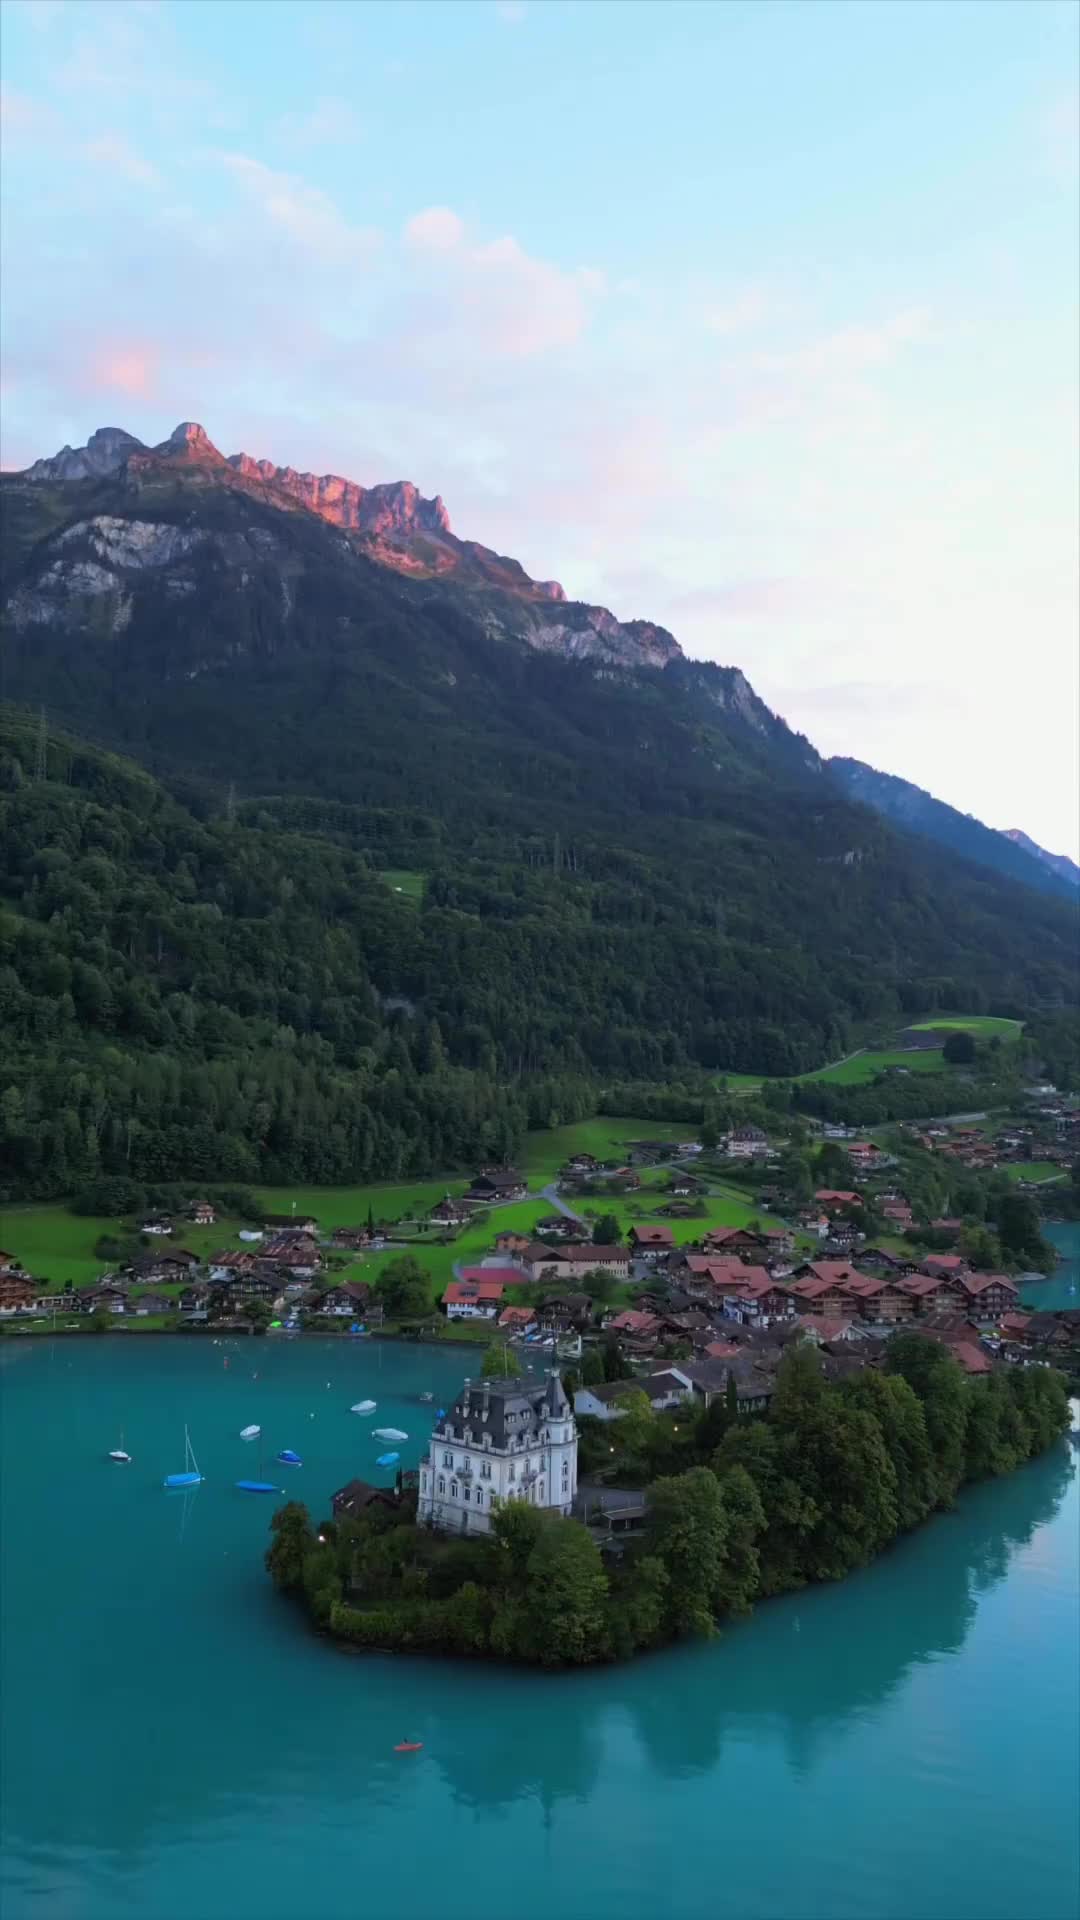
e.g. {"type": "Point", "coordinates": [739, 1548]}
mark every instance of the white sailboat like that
{"type": "Point", "coordinates": [250, 1433]}
{"type": "Point", "coordinates": [363, 1406]}
{"type": "Point", "coordinates": [191, 1477]}
{"type": "Point", "coordinates": [117, 1453]}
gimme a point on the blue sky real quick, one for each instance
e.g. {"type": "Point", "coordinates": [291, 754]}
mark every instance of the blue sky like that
{"type": "Point", "coordinates": [758, 320]}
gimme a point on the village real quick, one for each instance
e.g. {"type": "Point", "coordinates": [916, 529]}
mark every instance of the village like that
{"type": "Point", "coordinates": [680, 1310]}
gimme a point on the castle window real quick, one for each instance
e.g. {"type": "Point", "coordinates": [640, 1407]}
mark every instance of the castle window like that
{"type": "Point", "coordinates": [442, 1484]}
{"type": "Point", "coordinates": [453, 1489]}
{"type": "Point", "coordinates": [448, 1459]}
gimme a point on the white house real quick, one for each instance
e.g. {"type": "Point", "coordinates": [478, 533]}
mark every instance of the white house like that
{"type": "Point", "coordinates": [501, 1440]}
{"type": "Point", "coordinates": [662, 1390]}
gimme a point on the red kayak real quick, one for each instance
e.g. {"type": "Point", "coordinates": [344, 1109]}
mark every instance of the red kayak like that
{"type": "Point", "coordinates": [408, 1746]}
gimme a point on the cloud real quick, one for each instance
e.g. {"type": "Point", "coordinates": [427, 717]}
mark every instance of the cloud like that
{"type": "Point", "coordinates": [308, 216]}
{"type": "Point", "coordinates": [854, 349]}
{"type": "Point", "coordinates": [21, 114]}
{"type": "Point", "coordinates": [330, 122]}
{"type": "Point", "coordinates": [437, 228]}
{"type": "Point", "coordinates": [125, 368]}
{"type": "Point", "coordinates": [1060, 135]}
{"type": "Point", "coordinates": [511, 12]}
{"type": "Point", "coordinates": [119, 156]}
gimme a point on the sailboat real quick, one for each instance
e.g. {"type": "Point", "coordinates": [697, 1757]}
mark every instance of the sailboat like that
{"type": "Point", "coordinates": [288, 1457]}
{"type": "Point", "coordinates": [191, 1477]}
{"type": "Point", "coordinates": [260, 1485]}
{"type": "Point", "coordinates": [390, 1433]}
{"type": "Point", "coordinates": [117, 1453]}
{"type": "Point", "coordinates": [250, 1433]}
{"type": "Point", "coordinates": [363, 1406]}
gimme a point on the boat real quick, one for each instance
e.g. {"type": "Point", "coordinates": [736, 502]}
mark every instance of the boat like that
{"type": "Point", "coordinates": [409, 1746]}
{"type": "Point", "coordinates": [191, 1477]}
{"type": "Point", "coordinates": [250, 1433]}
{"type": "Point", "coordinates": [260, 1485]}
{"type": "Point", "coordinates": [364, 1406]}
{"type": "Point", "coordinates": [390, 1433]}
{"type": "Point", "coordinates": [117, 1453]}
{"type": "Point", "coordinates": [427, 1396]}
{"type": "Point", "coordinates": [287, 1458]}
{"type": "Point", "coordinates": [388, 1459]}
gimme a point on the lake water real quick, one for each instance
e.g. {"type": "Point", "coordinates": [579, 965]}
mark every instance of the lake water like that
{"type": "Point", "coordinates": [1062, 1289]}
{"type": "Point", "coordinates": [177, 1746]}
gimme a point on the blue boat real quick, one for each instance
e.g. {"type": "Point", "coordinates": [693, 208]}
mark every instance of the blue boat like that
{"type": "Point", "coordinates": [388, 1459]}
{"type": "Point", "coordinates": [191, 1477]}
{"type": "Point", "coordinates": [256, 1486]}
{"type": "Point", "coordinates": [287, 1458]}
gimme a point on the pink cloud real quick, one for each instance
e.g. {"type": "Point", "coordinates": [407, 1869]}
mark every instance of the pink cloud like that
{"type": "Point", "coordinates": [308, 216]}
{"type": "Point", "coordinates": [437, 228]}
{"type": "Point", "coordinates": [126, 368]}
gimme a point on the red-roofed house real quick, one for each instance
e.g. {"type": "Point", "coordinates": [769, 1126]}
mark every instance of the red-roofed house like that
{"type": "Point", "coordinates": [988, 1294]}
{"type": "Point", "coordinates": [650, 1242]}
{"type": "Point", "coordinates": [469, 1300]}
{"type": "Point", "coordinates": [630, 1321]}
{"type": "Point", "coordinates": [819, 1328]}
{"type": "Point", "coordinates": [518, 1319]}
{"type": "Point", "coordinates": [943, 1263]}
{"type": "Point", "coordinates": [832, 1199]}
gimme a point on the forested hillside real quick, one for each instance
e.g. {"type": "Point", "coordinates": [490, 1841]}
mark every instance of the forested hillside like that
{"type": "Point", "coordinates": [615, 872]}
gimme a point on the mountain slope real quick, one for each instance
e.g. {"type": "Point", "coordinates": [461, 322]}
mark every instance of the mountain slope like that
{"type": "Point", "coordinates": [908, 806]}
{"type": "Point", "coordinates": [1058, 863]}
{"type": "Point", "coordinates": [631, 868]}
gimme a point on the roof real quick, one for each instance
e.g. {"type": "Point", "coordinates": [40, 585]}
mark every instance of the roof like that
{"type": "Point", "coordinates": [516, 1317]}
{"type": "Point", "coordinates": [608, 1391]}
{"type": "Point", "coordinates": [587, 1256]}
{"type": "Point", "coordinates": [720, 1350]}
{"type": "Point", "coordinates": [653, 1236]}
{"type": "Point", "coordinates": [920, 1284]}
{"type": "Point", "coordinates": [1015, 1322]}
{"type": "Point", "coordinates": [660, 1383]}
{"type": "Point", "coordinates": [836, 1272]}
{"type": "Point", "coordinates": [943, 1262]}
{"type": "Point", "coordinates": [631, 1321]}
{"type": "Point", "coordinates": [978, 1282]}
{"type": "Point", "coordinates": [355, 1495]}
{"type": "Point", "coordinates": [504, 1409]}
{"type": "Point", "coordinates": [466, 1293]}
{"type": "Point", "coordinates": [835, 1193]}
{"type": "Point", "coordinates": [823, 1326]}
{"type": "Point", "coordinates": [506, 1276]}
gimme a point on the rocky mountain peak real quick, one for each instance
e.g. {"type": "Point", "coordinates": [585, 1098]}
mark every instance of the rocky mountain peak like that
{"type": "Point", "coordinates": [190, 441]}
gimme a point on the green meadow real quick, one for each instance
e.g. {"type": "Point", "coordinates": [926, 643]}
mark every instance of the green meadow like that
{"type": "Point", "coordinates": [984, 1026]}
{"type": "Point", "coordinates": [1033, 1170]}
{"type": "Point", "coordinates": [401, 880]}
{"type": "Point", "coordinates": [58, 1246]}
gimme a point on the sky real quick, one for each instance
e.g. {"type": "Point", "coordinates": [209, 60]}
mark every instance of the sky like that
{"type": "Point", "coordinates": [757, 320]}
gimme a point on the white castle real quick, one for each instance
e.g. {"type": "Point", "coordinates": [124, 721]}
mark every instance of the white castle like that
{"type": "Point", "coordinates": [501, 1440]}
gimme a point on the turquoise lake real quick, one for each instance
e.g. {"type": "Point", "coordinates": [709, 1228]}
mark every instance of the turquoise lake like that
{"type": "Point", "coordinates": [1062, 1289]}
{"type": "Point", "coordinates": [177, 1745]}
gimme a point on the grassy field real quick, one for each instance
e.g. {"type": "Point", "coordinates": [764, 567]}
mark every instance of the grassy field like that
{"type": "Point", "coordinates": [983, 1026]}
{"type": "Point", "coordinates": [853, 1073]}
{"type": "Point", "coordinates": [400, 880]}
{"type": "Point", "coordinates": [1033, 1170]}
{"type": "Point", "coordinates": [57, 1246]}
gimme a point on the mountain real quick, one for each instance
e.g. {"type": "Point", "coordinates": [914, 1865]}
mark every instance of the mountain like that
{"type": "Point", "coordinates": [1058, 863]}
{"type": "Point", "coordinates": [629, 868]}
{"type": "Point", "coordinates": [1011, 854]}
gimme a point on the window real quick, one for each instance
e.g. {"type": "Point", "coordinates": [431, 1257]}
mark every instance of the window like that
{"type": "Point", "coordinates": [465, 1493]}
{"type": "Point", "coordinates": [479, 1496]}
{"type": "Point", "coordinates": [541, 1493]}
{"type": "Point", "coordinates": [485, 1469]}
{"type": "Point", "coordinates": [448, 1459]}
{"type": "Point", "coordinates": [512, 1474]}
{"type": "Point", "coordinates": [442, 1484]}
{"type": "Point", "coordinates": [453, 1489]}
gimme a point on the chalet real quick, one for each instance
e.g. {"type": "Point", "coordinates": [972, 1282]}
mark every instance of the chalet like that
{"type": "Point", "coordinates": [351, 1239]}
{"type": "Point", "coordinates": [147, 1303]}
{"type": "Point", "coordinates": [899, 1215]}
{"type": "Point", "coordinates": [110, 1296]}
{"type": "Point", "coordinates": [297, 1251]}
{"type": "Point", "coordinates": [924, 1290]}
{"type": "Point", "coordinates": [469, 1300]}
{"type": "Point", "coordinates": [818, 1329]}
{"type": "Point", "coordinates": [731, 1240]}
{"type": "Point", "coordinates": [943, 1264]}
{"type": "Point", "coordinates": [357, 1497]}
{"type": "Point", "coordinates": [359, 1293]}
{"type": "Point", "coordinates": [966, 1351]}
{"type": "Point", "coordinates": [203, 1214]}
{"type": "Point", "coordinates": [262, 1283]}
{"type": "Point", "coordinates": [812, 1220]}
{"type": "Point", "coordinates": [291, 1222]}
{"type": "Point", "coordinates": [835, 1199]}
{"type": "Point", "coordinates": [558, 1226]}
{"type": "Point", "coordinates": [518, 1320]}
{"type": "Point", "coordinates": [581, 1163]}
{"type": "Point", "coordinates": [177, 1264]}
{"type": "Point", "coordinates": [449, 1212]}
{"type": "Point", "coordinates": [495, 1185]}
{"type": "Point", "coordinates": [678, 1210]}
{"type": "Point", "coordinates": [7, 1261]}
{"type": "Point", "coordinates": [953, 1228]}
{"type": "Point", "coordinates": [334, 1304]}
{"type": "Point", "coordinates": [759, 1298]}
{"type": "Point", "coordinates": [753, 1388]}
{"type": "Point", "coordinates": [194, 1301]}
{"type": "Point", "coordinates": [157, 1225]}
{"type": "Point", "coordinates": [633, 1322]}
{"type": "Point", "coordinates": [512, 1241]}
{"type": "Point", "coordinates": [566, 1312]}
{"type": "Point", "coordinates": [16, 1292]}
{"type": "Point", "coordinates": [225, 1264]}
{"type": "Point", "coordinates": [1014, 1326]}
{"type": "Point", "coordinates": [880, 1261]}
{"type": "Point", "coordinates": [880, 1301]}
{"type": "Point", "coordinates": [835, 1271]}
{"type": "Point", "coordinates": [988, 1295]}
{"type": "Point", "coordinates": [778, 1239]}
{"type": "Point", "coordinates": [746, 1143]}
{"type": "Point", "coordinates": [681, 1183]}
{"type": "Point", "coordinates": [651, 1242]}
